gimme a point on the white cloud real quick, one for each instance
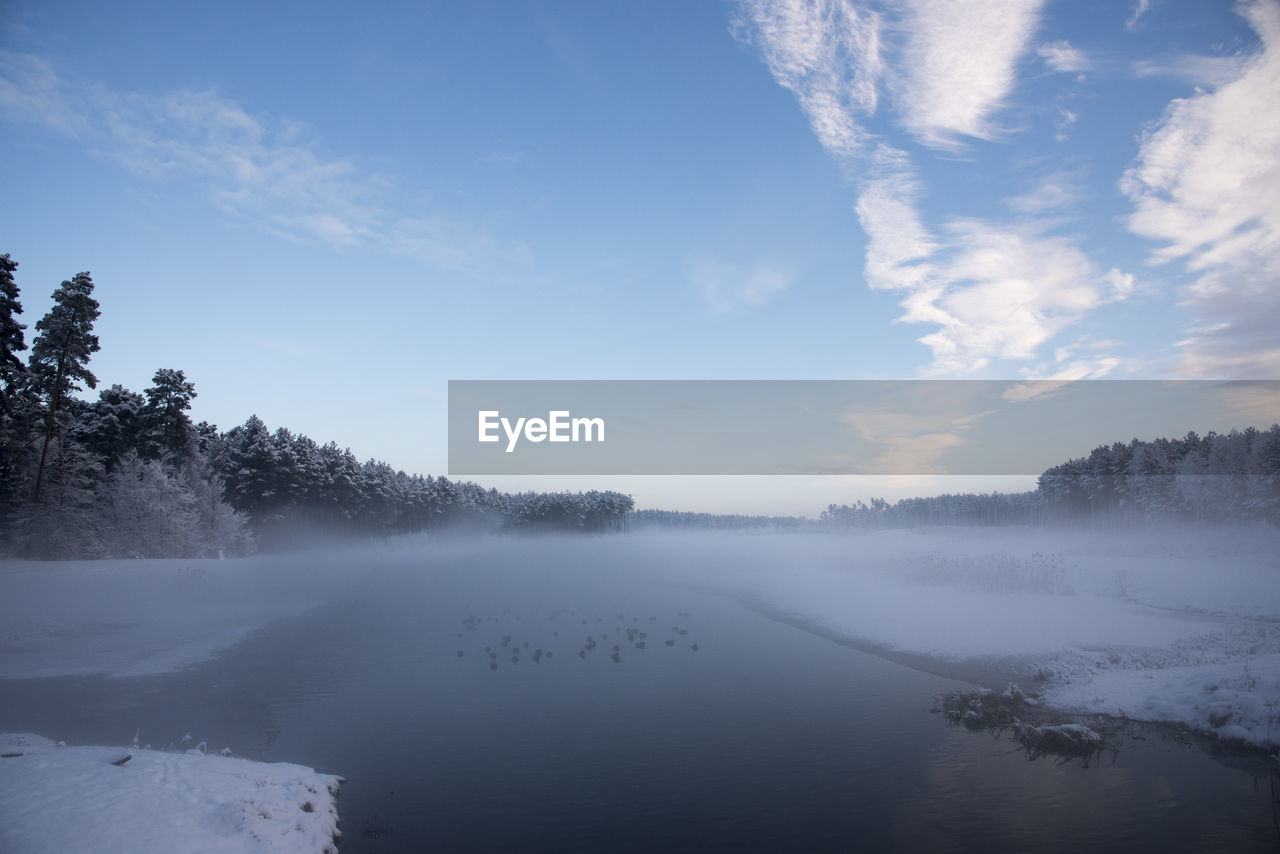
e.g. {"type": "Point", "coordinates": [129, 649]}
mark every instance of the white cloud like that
{"type": "Point", "coordinates": [268, 170]}
{"type": "Point", "coordinates": [727, 287]}
{"type": "Point", "coordinates": [1206, 185]}
{"type": "Point", "coordinates": [827, 52]}
{"type": "Point", "coordinates": [949, 76]}
{"type": "Point", "coordinates": [1207, 71]}
{"type": "Point", "coordinates": [912, 441]}
{"type": "Point", "coordinates": [916, 454]}
{"type": "Point", "coordinates": [1066, 118]}
{"type": "Point", "coordinates": [1061, 56]}
{"type": "Point", "coordinates": [1055, 192]}
{"type": "Point", "coordinates": [454, 245]}
{"type": "Point", "coordinates": [995, 291]}
{"type": "Point", "coordinates": [1139, 9]}
{"type": "Point", "coordinates": [32, 90]}
{"type": "Point", "coordinates": [1250, 403]}
{"type": "Point", "coordinates": [897, 242]}
{"type": "Point", "coordinates": [1008, 292]}
{"type": "Point", "coordinates": [1121, 283]}
{"type": "Point", "coordinates": [957, 65]}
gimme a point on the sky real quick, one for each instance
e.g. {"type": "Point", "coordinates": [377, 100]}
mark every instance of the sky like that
{"type": "Point", "coordinates": [323, 217]}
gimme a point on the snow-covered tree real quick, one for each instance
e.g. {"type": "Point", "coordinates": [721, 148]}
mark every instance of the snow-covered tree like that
{"type": "Point", "coordinates": [146, 513]}
{"type": "Point", "coordinates": [250, 461]}
{"type": "Point", "coordinates": [113, 424]}
{"type": "Point", "coordinates": [169, 433]}
{"type": "Point", "coordinates": [62, 522]}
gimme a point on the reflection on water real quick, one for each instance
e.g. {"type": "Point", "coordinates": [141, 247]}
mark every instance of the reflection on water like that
{"type": "Point", "coordinates": [602, 727]}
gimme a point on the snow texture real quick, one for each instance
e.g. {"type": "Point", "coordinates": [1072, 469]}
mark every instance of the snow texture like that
{"type": "Point", "coordinates": [57, 799]}
{"type": "Point", "coordinates": [1167, 626]}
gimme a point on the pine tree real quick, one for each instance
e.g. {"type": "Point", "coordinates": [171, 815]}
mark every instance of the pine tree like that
{"type": "Point", "coordinates": [250, 473]}
{"type": "Point", "coordinates": [62, 523]}
{"type": "Point", "coordinates": [170, 433]}
{"type": "Point", "coordinates": [11, 338]}
{"type": "Point", "coordinates": [16, 411]}
{"type": "Point", "coordinates": [112, 425]}
{"type": "Point", "coordinates": [60, 354]}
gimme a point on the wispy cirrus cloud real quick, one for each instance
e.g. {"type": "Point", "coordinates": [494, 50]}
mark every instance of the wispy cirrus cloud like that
{"type": "Point", "coordinates": [1196, 69]}
{"type": "Point", "coordinates": [1206, 186]}
{"type": "Point", "coordinates": [727, 287]}
{"type": "Point", "coordinates": [947, 64]}
{"type": "Point", "coordinates": [956, 66]}
{"type": "Point", "coordinates": [1139, 9]}
{"type": "Point", "coordinates": [898, 243]}
{"type": "Point", "coordinates": [1056, 192]}
{"type": "Point", "coordinates": [1061, 56]}
{"type": "Point", "coordinates": [828, 53]}
{"type": "Point", "coordinates": [32, 90]}
{"type": "Point", "coordinates": [271, 171]}
{"type": "Point", "coordinates": [995, 290]}
{"type": "Point", "coordinates": [914, 439]}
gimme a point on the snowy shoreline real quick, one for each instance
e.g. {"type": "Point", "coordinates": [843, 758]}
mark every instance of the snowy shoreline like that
{"type": "Point", "coordinates": [57, 798]}
{"type": "Point", "coordinates": [1176, 626]}
{"type": "Point", "coordinates": [1057, 698]}
{"type": "Point", "coordinates": [1183, 637]}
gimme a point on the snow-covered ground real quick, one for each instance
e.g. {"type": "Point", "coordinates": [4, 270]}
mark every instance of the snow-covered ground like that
{"type": "Point", "coordinates": [55, 799]}
{"type": "Point", "coordinates": [132, 618]}
{"type": "Point", "coordinates": [1171, 626]}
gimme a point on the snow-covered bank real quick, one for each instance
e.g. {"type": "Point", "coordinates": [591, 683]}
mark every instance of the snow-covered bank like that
{"type": "Point", "coordinates": [1233, 695]}
{"type": "Point", "coordinates": [57, 799]}
{"type": "Point", "coordinates": [1177, 627]}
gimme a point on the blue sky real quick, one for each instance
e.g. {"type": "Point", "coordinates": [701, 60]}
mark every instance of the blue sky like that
{"type": "Point", "coordinates": [323, 217]}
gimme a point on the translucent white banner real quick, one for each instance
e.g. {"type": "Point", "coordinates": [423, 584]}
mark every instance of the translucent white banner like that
{"type": "Point", "coordinates": [696, 427]}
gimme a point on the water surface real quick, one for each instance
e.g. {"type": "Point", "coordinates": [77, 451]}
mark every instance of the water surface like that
{"type": "Point", "coordinates": [766, 737]}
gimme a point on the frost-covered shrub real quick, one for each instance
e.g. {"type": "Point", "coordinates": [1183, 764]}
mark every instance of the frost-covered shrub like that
{"type": "Point", "coordinates": [148, 510]}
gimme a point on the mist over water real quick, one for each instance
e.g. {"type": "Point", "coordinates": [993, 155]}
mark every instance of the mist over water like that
{"type": "Point", "coordinates": [775, 733]}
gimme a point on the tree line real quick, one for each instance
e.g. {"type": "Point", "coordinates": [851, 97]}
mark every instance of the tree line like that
{"type": "Point", "coordinates": [644, 519]}
{"type": "Point", "coordinates": [130, 475]}
{"type": "Point", "coordinates": [1231, 477]}
{"type": "Point", "coordinates": [287, 482]}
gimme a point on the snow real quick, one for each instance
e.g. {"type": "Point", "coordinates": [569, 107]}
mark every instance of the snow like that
{"type": "Point", "coordinates": [55, 799]}
{"type": "Point", "coordinates": [1236, 698]}
{"type": "Point", "coordinates": [1171, 626]}
{"type": "Point", "coordinates": [1175, 625]}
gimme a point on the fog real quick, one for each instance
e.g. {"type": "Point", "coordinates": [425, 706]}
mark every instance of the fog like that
{"type": "Point", "coordinates": [1029, 600]}
{"type": "Point", "coordinates": [756, 683]}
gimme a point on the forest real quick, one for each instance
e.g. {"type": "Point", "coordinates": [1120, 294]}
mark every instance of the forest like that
{"type": "Point", "coordinates": [130, 475]}
{"type": "Point", "coordinates": [1216, 478]}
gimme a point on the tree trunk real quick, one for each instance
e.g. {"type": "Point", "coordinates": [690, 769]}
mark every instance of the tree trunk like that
{"type": "Point", "coordinates": [48, 430]}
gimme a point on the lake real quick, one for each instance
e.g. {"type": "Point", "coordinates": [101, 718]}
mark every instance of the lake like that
{"type": "Point", "coordinates": [766, 737]}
